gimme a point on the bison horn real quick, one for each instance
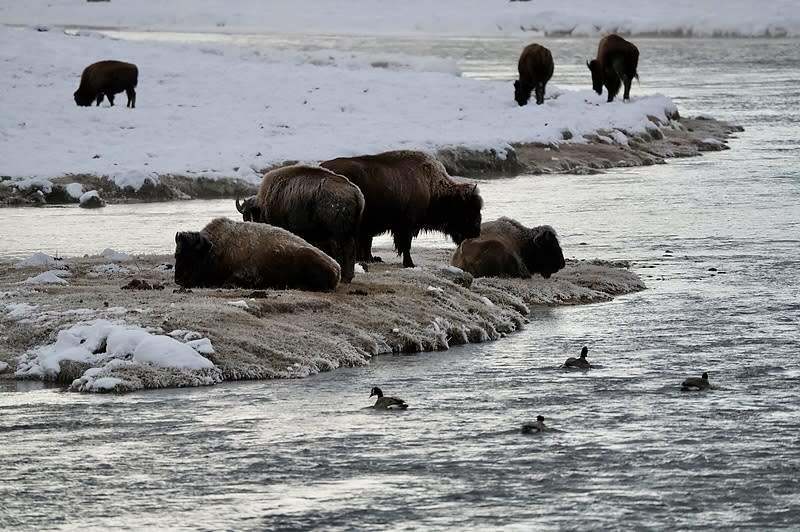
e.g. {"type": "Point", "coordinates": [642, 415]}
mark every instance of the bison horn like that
{"type": "Point", "coordinates": [239, 206]}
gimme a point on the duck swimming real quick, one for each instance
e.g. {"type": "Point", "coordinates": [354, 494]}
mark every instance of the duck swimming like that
{"type": "Point", "coordinates": [538, 426]}
{"type": "Point", "coordinates": [387, 403]}
{"type": "Point", "coordinates": [581, 362]}
{"type": "Point", "coordinates": [696, 383]}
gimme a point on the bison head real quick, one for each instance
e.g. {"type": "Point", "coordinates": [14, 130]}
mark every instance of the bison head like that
{"type": "Point", "coordinates": [543, 255]}
{"type": "Point", "coordinates": [192, 257]}
{"type": "Point", "coordinates": [249, 209]}
{"type": "Point", "coordinates": [520, 94]}
{"type": "Point", "coordinates": [462, 213]}
{"type": "Point", "coordinates": [597, 75]}
{"type": "Point", "coordinates": [83, 99]}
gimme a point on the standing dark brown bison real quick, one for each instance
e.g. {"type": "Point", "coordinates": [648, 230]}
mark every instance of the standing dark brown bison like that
{"type": "Point", "coordinates": [616, 63]}
{"type": "Point", "coordinates": [249, 255]}
{"type": "Point", "coordinates": [506, 248]}
{"type": "Point", "coordinates": [407, 192]}
{"type": "Point", "coordinates": [107, 78]}
{"type": "Point", "coordinates": [316, 204]}
{"type": "Point", "coordinates": [535, 70]}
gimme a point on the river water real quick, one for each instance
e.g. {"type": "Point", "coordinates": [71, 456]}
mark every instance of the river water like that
{"type": "Point", "coordinates": [717, 240]}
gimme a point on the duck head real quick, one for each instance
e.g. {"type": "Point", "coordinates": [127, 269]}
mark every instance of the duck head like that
{"type": "Point", "coordinates": [376, 391]}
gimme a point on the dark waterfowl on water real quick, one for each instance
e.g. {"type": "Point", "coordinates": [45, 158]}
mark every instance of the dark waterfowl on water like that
{"type": "Point", "coordinates": [696, 383]}
{"type": "Point", "coordinates": [386, 403]}
{"type": "Point", "coordinates": [537, 426]}
{"type": "Point", "coordinates": [580, 362]}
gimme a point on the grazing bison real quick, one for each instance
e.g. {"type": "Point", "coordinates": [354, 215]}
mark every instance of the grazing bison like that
{"type": "Point", "coordinates": [407, 192]}
{"type": "Point", "coordinates": [316, 204]}
{"type": "Point", "coordinates": [249, 209]}
{"type": "Point", "coordinates": [535, 70]}
{"type": "Point", "coordinates": [617, 60]}
{"type": "Point", "coordinates": [506, 248]}
{"type": "Point", "coordinates": [228, 253]}
{"type": "Point", "coordinates": [107, 78]}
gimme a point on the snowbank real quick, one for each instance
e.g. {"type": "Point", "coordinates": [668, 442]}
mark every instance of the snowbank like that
{"type": "Point", "coordinates": [95, 336]}
{"type": "Point", "coordinates": [236, 112]}
{"type": "Point", "coordinates": [452, 17]}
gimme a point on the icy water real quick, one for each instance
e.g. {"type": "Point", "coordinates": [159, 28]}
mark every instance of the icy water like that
{"type": "Point", "coordinates": [717, 240]}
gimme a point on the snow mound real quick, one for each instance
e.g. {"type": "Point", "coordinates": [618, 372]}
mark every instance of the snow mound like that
{"type": "Point", "coordinates": [120, 357]}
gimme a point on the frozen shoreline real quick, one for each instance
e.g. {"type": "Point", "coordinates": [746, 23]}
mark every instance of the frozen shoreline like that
{"type": "Point", "coordinates": [264, 334]}
{"type": "Point", "coordinates": [677, 137]}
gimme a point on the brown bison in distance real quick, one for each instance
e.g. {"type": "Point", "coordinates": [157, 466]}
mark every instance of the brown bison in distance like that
{"type": "Point", "coordinates": [615, 65]}
{"type": "Point", "coordinates": [248, 255]}
{"type": "Point", "coordinates": [249, 209]}
{"type": "Point", "coordinates": [107, 78]}
{"type": "Point", "coordinates": [407, 192]}
{"type": "Point", "coordinates": [316, 204]}
{"type": "Point", "coordinates": [535, 70]}
{"type": "Point", "coordinates": [507, 248]}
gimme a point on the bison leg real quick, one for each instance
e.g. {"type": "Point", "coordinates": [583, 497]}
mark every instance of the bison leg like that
{"type": "Point", "coordinates": [110, 99]}
{"type": "Point", "coordinates": [364, 248]}
{"type": "Point", "coordinates": [131, 98]}
{"type": "Point", "coordinates": [402, 243]}
{"type": "Point", "coordinates": [540, 93]}
{"type": "Point", "coordinates": [99, 98]}
{"type": "Point", "coordinates": [626, 81]}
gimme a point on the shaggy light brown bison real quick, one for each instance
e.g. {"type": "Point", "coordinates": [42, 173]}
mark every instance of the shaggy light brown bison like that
{"type": "Point", "coordinates": [506, 248]}
{"type": "Point", "coordinates": [407, 192]}
{"type": "Point", "coordinates": [616, 63]}
{"type": "Point", "coordinates": [249, 255]}
{"type": "Point", "coordinates": [107, 78]}
{"type": "Point", "coordinates": [535, 70]}
{"type": "Point", "coordinates": [316, 204]}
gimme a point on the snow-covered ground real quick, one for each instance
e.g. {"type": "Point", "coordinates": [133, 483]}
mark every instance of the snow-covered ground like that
{"type": "Point", "coordinates": [229, 112]}
{"type": "Point", "coordinates": [453, 17]}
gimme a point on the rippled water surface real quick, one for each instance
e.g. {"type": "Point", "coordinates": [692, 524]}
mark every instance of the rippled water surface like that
{"type": "Point", "coordinates": [717, 240]}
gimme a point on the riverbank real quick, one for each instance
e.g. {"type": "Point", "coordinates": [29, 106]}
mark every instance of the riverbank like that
{"type": "Point", "coordinates": [78, 321]}
{"type": "Point", "coordinates": [674, 137]}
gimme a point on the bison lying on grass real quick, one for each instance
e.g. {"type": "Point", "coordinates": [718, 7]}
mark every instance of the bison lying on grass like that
{"type": "Point", "coordinates": [506, 248]}
{"type": "Point", "coordinates": [107, 78]}
{"type": "Point", "coordinates": [406, 192]}
{"type": "Point", "coordinates": [535, 70]}
{"type": "Point", "coordinates": [249, 255]}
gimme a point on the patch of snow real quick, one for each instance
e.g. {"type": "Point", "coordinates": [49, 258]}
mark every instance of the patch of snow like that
{"type": "Point", "coordinates": [359, 268]}
{"type": "Point", "coordinates": [108, 346]}
{"type": "Point", "coordinates": [48, 277]}
{"type": "Point", "coordinates": [3, 366]}
{"type": "Point", "coordinates": [110, 254]}
{"type": "Point", "coordinates": [75, 190]}
{"type": "Point", "coordinates": [435, 289]}
{"type": "Point", "coordinates": [39, 259]}
{"type": "Point", "coordinates": [110, 268]}
{"type": "Point", "coordinates": [240, 304]}
{"type": "Point", "coordinates": [167, 352]}
{"type": "Point", "coordinates": [18, 311]}
{"type": "Point", "coordinates": [486, 301]}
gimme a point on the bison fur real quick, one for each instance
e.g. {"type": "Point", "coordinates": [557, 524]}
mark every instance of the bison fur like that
{"type": "Point", "coordinates": [249, 255]}
{"type": "Point", "coordinates": [316, 204]}
{"type": "Point", "coordinates": [506, 248]}
{"type": "Point", "coordinates": [407, 192]}
{"type": "Point", "coordinates": [535, 70]}
{"type": "Point", "coordinates": [615, 65]}
{"type": "Point", "coordinates": [107, 78]}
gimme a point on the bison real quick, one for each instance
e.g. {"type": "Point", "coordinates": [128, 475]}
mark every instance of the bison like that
{"type": "Point", "coordinates": [506, 248]}
{"type": "Point", "coordinates": [617, 60]}
{"type": "Point", "coordinates": [535, 70]}
{"type": "Point", "coordinates": [407, 192]}
{"type": "Point", "coordinates": [248, 209]}
{"type": "Point", "coordinates": [107, 78]}
{"type": "Point", "coordinates": [250, 255]}
{"type": "Point", "coordinates": [316, 204]}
